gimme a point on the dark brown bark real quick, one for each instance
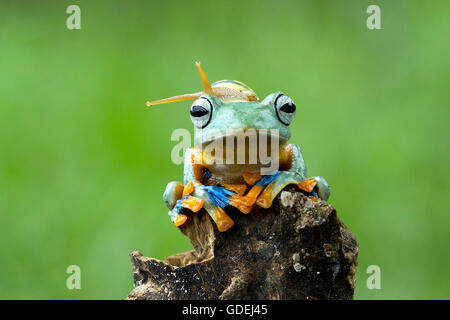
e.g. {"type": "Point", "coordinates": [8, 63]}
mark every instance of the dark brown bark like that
{"type": "Point", "coordinates": [297, 249]}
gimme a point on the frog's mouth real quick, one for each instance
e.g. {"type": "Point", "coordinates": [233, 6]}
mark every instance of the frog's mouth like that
{"type": "Point", "coordinates": [262, 135]}
{"type": "Point", "coordinates": [250, 146]}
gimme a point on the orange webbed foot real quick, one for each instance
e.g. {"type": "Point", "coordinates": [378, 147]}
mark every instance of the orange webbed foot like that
{"type": "Point", "coordinates": [245, 203]}
{"type": "Point", "coordinates": [180, 220]}
{"type": "Point", "coordinates": [237, 188]}
{"type": "Point", "coordinates": [307, 185]}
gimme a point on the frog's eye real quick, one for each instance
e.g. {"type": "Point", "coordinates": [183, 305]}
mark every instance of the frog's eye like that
{"type": "Point", "coordinates": [285, 109]}
{"type": "Point", "coordinates": [201, 112]}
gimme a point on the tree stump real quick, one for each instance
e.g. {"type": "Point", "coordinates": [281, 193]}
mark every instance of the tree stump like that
{"type": "Point", "coordinates": [297, 249]}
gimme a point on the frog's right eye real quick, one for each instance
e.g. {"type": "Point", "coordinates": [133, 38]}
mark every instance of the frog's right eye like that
{"type": "Point", "coordinates": [201, 112]}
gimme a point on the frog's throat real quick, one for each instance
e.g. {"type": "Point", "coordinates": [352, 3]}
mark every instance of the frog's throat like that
{"type": "Point", "coordinates": [203, 139]}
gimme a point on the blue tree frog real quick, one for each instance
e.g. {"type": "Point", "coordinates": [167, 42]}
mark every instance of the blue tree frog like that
{"type": "Point", "coordinates": [227, 166]}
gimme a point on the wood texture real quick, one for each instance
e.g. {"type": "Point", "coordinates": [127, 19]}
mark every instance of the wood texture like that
{"type": "Point", "coordinates": [297, 249]}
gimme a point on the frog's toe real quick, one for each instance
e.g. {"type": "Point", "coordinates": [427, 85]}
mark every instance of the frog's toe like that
{"type": "Point", "coordinates": [177, 216]}
{"type": "Point", "coordinates": [266, 198]}
{"type": "Point", "coordinates": [315, 188]}
{"type": "Point", "coordinates": [222, 220]}
{"type": "Point", "coordinates": [237, 188]}
{"type": "Point", "coordinates": [180, 220]}
{"type": "Point", "coordinates": [192, 203]}
{"type": "Point", "coordinates": [251, 177]}
{"type": "Point", "coordinates": [307, 185]}
{"type": "Point", "coordinates": [273, 185]}
{"type": "Point", "coordinates": [323, 190]}
{"type": "Point", "coordinates": [246, 203]}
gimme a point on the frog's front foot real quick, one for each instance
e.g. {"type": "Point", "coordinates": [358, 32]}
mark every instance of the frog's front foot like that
{"type": "Point", "coordinates": [178, 197]}
{"type": "Point", "coordinates": [265, 188]}
{"type": "Point", "coordinates": [316, 187]}
{"type": "Point", "coordinates": [196, 196]}
{"type": "Point", "coordinates": [214, 199]}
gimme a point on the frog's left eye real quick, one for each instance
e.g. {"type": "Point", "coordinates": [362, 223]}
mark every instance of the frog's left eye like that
{"type": "Point", "coordinates": [285, 109]}
{"type": "Point", "coordinates": [201, 112]}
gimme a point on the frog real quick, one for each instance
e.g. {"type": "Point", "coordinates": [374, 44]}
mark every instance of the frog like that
{"type": "Point", "coordinates": [228, 110]}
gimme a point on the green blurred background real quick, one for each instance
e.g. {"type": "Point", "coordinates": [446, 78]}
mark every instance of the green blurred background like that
{"type": "Point", "coordinates": [83, 162]}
